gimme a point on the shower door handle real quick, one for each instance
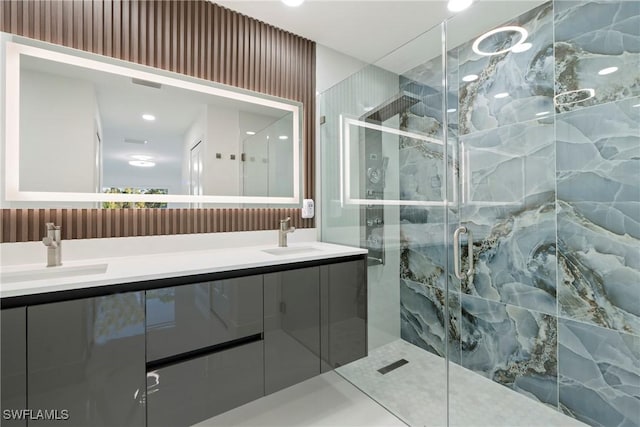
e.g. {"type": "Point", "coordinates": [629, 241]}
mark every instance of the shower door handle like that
{"type": "Point", "coordinates": [456, 252]}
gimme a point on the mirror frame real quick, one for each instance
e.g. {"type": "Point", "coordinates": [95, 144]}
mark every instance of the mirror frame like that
{"type": "Point", "coordinates": [14, 50]}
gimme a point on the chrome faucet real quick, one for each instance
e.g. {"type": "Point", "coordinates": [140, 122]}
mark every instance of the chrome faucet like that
{"type": "Point", "coordinates": [285, 228]}
{"type": "Point", "coordinates": [53, 242]}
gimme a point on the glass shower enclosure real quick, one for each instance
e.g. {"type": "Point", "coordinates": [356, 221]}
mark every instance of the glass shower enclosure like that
{"type": "Point", "coordinates": [491, 167]}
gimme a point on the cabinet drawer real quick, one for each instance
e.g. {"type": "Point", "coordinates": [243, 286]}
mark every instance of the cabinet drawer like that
{"type": "Point", "coordinates": [189, 317]}
{"type": "Point", "coordinates": [189, 392]}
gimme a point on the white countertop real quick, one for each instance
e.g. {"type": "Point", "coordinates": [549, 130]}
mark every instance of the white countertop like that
{"type": "Point", "coordinates": [160, 266]}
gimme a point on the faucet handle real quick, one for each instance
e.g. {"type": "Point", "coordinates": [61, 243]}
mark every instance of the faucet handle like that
{"type": "Point", "coordinates": [286, 220]}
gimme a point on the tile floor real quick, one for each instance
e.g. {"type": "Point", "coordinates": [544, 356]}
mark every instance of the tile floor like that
{"type": "Point", "coordinates": [327, 400]}
{"type": "Point", "coordinates": [416, 392]}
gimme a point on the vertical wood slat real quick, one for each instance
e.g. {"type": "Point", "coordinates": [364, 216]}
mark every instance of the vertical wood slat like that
{"type": "Point", "coordinates": [19, 225]}
{"type": "Point", "coordinates": [194, 37]}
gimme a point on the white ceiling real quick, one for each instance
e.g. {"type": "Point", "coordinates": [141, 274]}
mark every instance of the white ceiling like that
{"type": "Point", "coordinates": [370, 29]}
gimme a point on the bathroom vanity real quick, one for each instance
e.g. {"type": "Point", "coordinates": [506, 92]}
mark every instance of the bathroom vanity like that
{"type": "Point", "coordinates": [174, 339]}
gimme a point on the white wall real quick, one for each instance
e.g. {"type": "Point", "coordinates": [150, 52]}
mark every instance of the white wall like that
{"type": "Point", "coordinates": [195, 133]}
{"type": "Point", "coordinates": [222, 135]}
{"type": "Point", "coordinates": [57, 134]}
{"type": "Point", "coordinates": [332, 67]}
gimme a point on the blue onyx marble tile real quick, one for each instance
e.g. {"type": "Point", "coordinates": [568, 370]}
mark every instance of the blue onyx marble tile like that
{"type": "Point", "coordinates": [516, 262]}
{"type": "Point", "coordinates": [598, 164]}
{"type": "Point", "coordinates": [599, 374]}
{"type": "Point", "coordinates": [527, 77]}
{"type": "Point", "coordinates": [422, 318]}
{"type": "Point", "coordinates": [598, 272]}
{"type": "Point", "coordinates": [421, 170]}
{"type": "Point", "coordinates": [591, 36]}
{"type": "Point", "coordinates": [423, 254]}
{"type": "Point", "coordinates": [512, 346]}
{"type": "Point", "coordinates": [508, 202]}
{"type": "Point", "coordinates": [508, 165]}
{"type": "Point", "coordinates": [598, 173]}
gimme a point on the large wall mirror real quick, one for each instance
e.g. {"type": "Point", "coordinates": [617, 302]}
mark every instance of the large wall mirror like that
{"type": "Point", "coordinates": [84, 128]}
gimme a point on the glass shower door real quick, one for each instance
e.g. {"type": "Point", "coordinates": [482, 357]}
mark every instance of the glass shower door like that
{"type": "Point", "coordinates": [385, 128]}
{"type": "Point", "coordinates": [503, 290]}
{"type": "Point", "coordinates": [546, 116]}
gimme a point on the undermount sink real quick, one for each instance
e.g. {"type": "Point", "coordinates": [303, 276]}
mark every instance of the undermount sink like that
{"type": "Point", "coordinates": [52, 273]}
{"type": "Point", "coordinates": [291, 250]}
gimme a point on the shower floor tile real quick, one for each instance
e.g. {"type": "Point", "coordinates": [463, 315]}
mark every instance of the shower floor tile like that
{"type": "Point", "coordinates": [416, 392]}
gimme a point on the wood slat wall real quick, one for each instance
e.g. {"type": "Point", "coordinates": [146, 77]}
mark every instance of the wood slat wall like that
{"type": "Point", "coordinates": [23, 225]}
{"type": "Point", "coordinates": [192, 37]}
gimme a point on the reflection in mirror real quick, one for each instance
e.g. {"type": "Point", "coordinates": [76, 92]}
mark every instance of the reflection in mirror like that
{"type": "Point", "coordinates": [136, 139]}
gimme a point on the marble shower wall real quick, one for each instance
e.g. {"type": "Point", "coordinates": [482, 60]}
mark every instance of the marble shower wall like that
{"type": "Point", "coordinates": [553, 201]}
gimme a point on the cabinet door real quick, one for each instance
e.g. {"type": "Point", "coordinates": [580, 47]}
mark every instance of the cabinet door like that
{"type": "Point", "coordinates": [192, 391]}
{"type": "Point", "coordinates": [292, 327]}
{"type": "Point", "coordinates": [344, 313]}
{"type": "Point", "coordinates": [86, 356]}
{"type": "Point", "coordinates": [190, 317]}
{"type": "Point", "coordinates": [13, 389]}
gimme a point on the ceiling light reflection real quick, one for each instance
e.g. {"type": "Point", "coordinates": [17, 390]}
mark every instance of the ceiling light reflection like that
{"type": "Point", "coordinates": [570, 96]}
{"type": "Point", "coordinates": [523, 36]}
{"type": "Point", "coordinates": [293, 3]}
{"type": "Point", "coordinates": [470, 78]}
{"type": "Point", "coordinates": [608, 70]}
{"type": "Point", "coordinates": [451, 110]}
{"type": "Point", "coordinates": [458, 5]}
{"type": "Point", "coordinates": [142, 163]}
{"type": "Point", "coordinates": [543, 113]}
{"type": "Point", "coordinates": [148, 117]}
{"type": "Point", "coordinates": [501, 95]}
{"type": "Point", "coordinates": [523, 47]}
{"type": "Point", "coordinates": [141, 157]}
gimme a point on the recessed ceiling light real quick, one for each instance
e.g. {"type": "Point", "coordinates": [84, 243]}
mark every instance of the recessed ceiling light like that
{"type": "Point", "coordinates": [470, 78]}
{"type": "Point", "coordinates": [250, 132]}
{"type": "Point", "coordinates": [141, 157]}
{"type": "Point", "coordinates": [149, 117]}
{"type": "Point", "coordinates": [574, 96]}
{"type": "Point", "coordinates": [608, 70]}
{"type": "Point", "coordinates": [451, 110]}
{"type": "Point", "coordinates": [283, 137]}
{"type": "Point", "coordinates": [523, 36]}
{"type": "Point", "coordinates": [458, 5]}
{"type": "Point", "coordinates": [543, 113]}
{"type": "Point", "coordinates": [501, 95]}
{"type": "Point", "coordinates": [142, 163]}
{"type": "Point", "coordinates": [522, 47]}
{"type": "Point", "coordinates": [293, 3]}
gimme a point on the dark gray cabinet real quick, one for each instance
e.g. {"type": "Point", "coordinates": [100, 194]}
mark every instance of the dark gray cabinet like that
{"type": "Point", "coordinates": [192, 391]}
{"type": "Point", "coordinates": [189, 317]}
{"type": "Point", "coordinates": [86, 356]}
{"type": "Point", "coordinates": [344, 313]}
{"type": "Point", "coordinates": [292, 327]}
{"type": "Point", "coordinates": [181, 354]}
{"type": "Point", "coordinates": [13, 359]}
